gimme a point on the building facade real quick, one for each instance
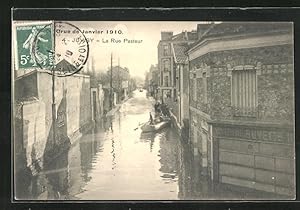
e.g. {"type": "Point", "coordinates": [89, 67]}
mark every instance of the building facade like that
{"type": "Point", "coordinates": [180, 106]}
{"type": "Point", "coordinates": [167, 70]}
{"type": "Point", "coordinates": [242, 105]}
{"type": "Point", "coordinates": [173, 73]}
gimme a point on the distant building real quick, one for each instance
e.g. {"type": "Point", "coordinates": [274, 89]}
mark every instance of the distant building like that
{"type": "Point", "coordinates": [242, 104]}
{"type": "Point", "coordinates": [152, 81]}
{"type": "Point", "coordinates": [120, 81]}
{"type": "Point", "coordinates": [166, 60]}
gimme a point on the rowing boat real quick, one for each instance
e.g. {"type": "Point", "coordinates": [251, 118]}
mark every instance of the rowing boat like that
{"type": "Point", "coordinates": [155, 127]}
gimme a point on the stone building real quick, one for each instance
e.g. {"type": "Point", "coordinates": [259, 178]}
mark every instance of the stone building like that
{"type": "Point", "coordinates": [167, 71]}
{"type": "Point", "coordinates": [173, 70]}
{"type": "Point", "coordinates": [242, 105]}
{"type": "Point", "coordinates": [181, 91]}
{"type": "Point", "coordinates": [120, 80]}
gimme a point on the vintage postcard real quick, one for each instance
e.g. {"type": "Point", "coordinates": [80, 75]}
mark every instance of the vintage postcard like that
{"type": "Point", "coordinates": [153, 110]}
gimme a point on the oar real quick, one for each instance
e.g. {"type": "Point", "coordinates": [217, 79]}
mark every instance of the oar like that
{"type": "Point", "coordinates": [139, 125]}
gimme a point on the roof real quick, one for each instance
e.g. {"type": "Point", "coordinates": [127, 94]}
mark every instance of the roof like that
{"type": "Point", "coordinates": [230, 28]}
{"type": "Point", "coordinates": [179, 52]}
{"type": "Point", "coordinates": [185, 36]}
{"type": "Point", "coordinates": [240, 28]}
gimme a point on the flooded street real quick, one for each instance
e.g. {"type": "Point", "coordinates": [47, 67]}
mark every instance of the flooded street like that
{"type": "Point", "coordinates": [116, 161]}
{"type": "Point", "coordinates": [128, 164]}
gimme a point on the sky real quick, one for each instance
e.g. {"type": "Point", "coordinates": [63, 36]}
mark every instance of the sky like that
{"type": "Point", "coordinates": [137, 57]}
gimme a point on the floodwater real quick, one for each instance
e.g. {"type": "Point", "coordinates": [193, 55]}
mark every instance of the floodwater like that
{"type": "Point", "coordinates": [116, 161]}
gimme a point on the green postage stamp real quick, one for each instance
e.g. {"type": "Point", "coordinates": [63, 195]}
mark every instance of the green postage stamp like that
{"type": "Point", "coordinates": [34, 46]}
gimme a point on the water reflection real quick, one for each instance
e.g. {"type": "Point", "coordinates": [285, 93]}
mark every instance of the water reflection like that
{"type": "Point", "coordinates": [57, 174]}
{"type": "Point", "coordinates": [149, 137]}
{"type": "Point", "coordinates": [168, 156]}
{"type": "Point", "coordinates": [113, 154]}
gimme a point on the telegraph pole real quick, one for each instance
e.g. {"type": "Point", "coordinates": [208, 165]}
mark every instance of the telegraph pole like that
{"type": "Point", "coordinates": [53, 95]}
{"type": "Point", "coordinates": [111, 84]}
{"type": "Point", "coordinates": [119, 85]}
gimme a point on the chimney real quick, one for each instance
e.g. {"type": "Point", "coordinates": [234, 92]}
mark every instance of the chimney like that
{"type": "Point", "coordinates": [166, 35]}
{"type": "Point", "coordinates": [185, 35]}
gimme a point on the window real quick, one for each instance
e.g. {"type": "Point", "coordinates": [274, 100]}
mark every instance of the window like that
{"type": "Point", "coordinates": [195, 88]}
{"type": "Point", "coordinates": [204, 83]}
{"type": "Point", "coordinates": [244, 92]}
{"type": "Point", "coordinates": [166, 50]}
{"type": "Point", "coordinates": [166, 65]}
{"type": "Point", "coordinates": [166, 81]}
{"type": "Point", "coordinates": [194, 131]}
{"type": "Point", "coordinates": [175, 76]}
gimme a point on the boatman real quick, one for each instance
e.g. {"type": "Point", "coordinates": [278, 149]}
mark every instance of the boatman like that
{"type": "Point", "coordinates": [151, 119]}
{"type": "Point", "coordinates": [157, 107]}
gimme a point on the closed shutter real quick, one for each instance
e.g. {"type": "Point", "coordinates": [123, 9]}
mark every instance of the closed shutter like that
{"type": "Point", "coordinates": [244, 92]}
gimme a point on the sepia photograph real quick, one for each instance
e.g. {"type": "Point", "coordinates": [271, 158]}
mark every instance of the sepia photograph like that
{"type": "Point", "coordinates": [153, 110]}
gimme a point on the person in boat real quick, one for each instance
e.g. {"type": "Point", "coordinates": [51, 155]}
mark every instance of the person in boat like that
{"type": "Point", "coordinates": [158, 118]}
{"type": "Point", "coordinates": [157, 107]}
{"type": "Point", "coordinates": [164, 109]}
{"type": "Point", "coordinates": [151, 119]}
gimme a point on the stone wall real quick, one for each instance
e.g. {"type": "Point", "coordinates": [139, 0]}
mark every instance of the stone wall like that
{"type": "Point", "coordinates": [276, 93]}
{"type": "Point", "coordinates": [201, 140]}
{"type": "Point", "coordinates": [274, 81]}
{"type": "Point", "coordinates": [72, 94]}
{"type": "Point", "coordinates": [33, 115]}
{"type": "Point", "coordinates": [30, 138]}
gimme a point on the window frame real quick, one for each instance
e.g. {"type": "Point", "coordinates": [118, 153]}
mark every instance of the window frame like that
{"type": "Point", "coordinates": [239, 111]}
